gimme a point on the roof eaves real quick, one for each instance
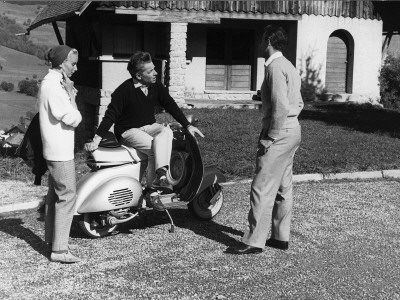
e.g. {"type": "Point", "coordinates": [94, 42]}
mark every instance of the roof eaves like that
{"type": "Point", "coordinates": [48, 16]}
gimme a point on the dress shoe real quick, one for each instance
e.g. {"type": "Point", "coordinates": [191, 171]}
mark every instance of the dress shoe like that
{"type": "Point", "coordinates": [153, 200]}
{"type": "Point", "coordinates": [162, 184]}
{"type": "Point", "coordinates": [245, 249]}
{"type": "Point", "coordinates": [64, 258]}
{"type": "Point", "coordinates": [277, 244]}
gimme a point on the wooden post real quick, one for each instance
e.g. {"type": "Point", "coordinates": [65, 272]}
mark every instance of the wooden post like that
{"type": "Point", "coordinates": [385, 45]}
{"type": "Point", "coordinates": [57, 32]}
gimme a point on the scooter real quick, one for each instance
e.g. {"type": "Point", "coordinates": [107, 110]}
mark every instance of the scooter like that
{"type": "Point", "coordinates": [112, 193]}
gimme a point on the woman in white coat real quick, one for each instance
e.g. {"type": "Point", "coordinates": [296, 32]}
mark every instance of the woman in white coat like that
{"type": "Point", "coordinates": [59, 116]}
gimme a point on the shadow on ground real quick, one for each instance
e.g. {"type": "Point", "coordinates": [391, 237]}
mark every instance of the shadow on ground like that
{"type": "Point", "coordinates": [15, 227]}
{"type": "Point", "coordinates": [365, 117]}
{"type": "Point", "coordinates": [182, 219]}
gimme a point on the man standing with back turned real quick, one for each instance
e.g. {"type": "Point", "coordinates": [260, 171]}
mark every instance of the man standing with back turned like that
{"type": "Point", "coordinates": [271, 196]}
{"type": "Point", "coordinates": [132, 110]}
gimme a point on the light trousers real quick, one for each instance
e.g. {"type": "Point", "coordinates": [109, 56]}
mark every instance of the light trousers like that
{"type": "Point", "coordinates": [60, 203]}
{"type": "Point", "coordinates": [153, 140]}
{"type": "Point", "coordinates": [271, 195]}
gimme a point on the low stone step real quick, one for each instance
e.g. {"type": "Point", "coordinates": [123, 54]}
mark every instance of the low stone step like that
{"type": "Point", "coordinates": [223, 95]}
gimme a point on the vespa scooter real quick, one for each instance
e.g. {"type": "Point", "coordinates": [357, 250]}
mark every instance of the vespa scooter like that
{"type": "Point", "coordinates": [112, 192]}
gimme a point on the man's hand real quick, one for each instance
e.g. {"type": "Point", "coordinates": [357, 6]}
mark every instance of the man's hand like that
{"type": "Point", "coordinates": [263, 146]}
{"type": "Point", "coordinates": [93, 145]}
{"type": "Point", "coordinates": [193, 130]}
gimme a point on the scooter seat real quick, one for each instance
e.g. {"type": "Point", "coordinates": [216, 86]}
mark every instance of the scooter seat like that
{"type": "Point", "coordinates": [106, 156]}
{"type": "Point", "coordinates": [109, 141]}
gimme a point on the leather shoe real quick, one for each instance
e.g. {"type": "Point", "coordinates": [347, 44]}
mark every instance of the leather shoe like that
{"type": "Point", "coordinates": [281, 245]}
{"type": "Point", "coordinates": [64, 258]}
{"type": "Point", "coordinates": [245, 249]}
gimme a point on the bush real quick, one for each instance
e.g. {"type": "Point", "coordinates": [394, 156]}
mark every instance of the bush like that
{"type": "Point", "coordinates": [7, 86]}
{"type": "Point", "coordinates": [29, 87]}
{"type": "Point", "coordinates": [390, 83]}
{"type": "Point", "coordinates": [10, 86]}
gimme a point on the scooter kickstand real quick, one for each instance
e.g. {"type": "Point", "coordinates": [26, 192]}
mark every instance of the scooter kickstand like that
{"type": "Point", "coordinates": [172, 229]}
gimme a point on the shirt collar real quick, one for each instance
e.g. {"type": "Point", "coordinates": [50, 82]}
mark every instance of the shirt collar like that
{"type": "Point", "coordinates": [272, 57]}
{"type": "Point", "coordinates": [138, 84]}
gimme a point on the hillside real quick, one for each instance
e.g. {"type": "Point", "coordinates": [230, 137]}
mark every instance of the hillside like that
{"type": "Point", "coordinates": [16, 67]}
{"type": "Point", "coordinates": [43, 35]}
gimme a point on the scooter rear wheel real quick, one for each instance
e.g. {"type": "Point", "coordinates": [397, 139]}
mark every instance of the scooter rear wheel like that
{"type": "Point", "coordinates": [86, 223]}
{"type": "Point", "coordinates": [208, 203]}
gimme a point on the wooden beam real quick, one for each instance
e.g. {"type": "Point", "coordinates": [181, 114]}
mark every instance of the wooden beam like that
{"type": "Point", "coordinates": [170, 16]}
{"type": "Point", "coordinates": [200, 16]}
{"type": "Point", "coordinates": [58, 34]}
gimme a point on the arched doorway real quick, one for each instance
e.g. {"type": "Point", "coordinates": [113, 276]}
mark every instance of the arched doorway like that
{"type": "Point", "coordinates": [339, 63]}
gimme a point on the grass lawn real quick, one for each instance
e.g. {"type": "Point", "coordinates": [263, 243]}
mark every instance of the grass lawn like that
{"type": "Point", "coordinates": [336, 138]}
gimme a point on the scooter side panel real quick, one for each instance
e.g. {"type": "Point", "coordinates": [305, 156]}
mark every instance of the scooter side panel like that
{"type": "Point", "coordinates": [95, 188]}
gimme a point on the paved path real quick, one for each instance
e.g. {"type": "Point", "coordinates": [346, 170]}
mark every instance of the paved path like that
{"type": "Point", "coordinates": [344, 245]}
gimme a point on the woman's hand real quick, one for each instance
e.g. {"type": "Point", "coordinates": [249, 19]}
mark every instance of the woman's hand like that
{"type": "Point", "coordinates": [67, 83]}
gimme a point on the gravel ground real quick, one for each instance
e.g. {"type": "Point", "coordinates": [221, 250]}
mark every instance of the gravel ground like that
{"type": "Point", "coordinates": [344, 245]}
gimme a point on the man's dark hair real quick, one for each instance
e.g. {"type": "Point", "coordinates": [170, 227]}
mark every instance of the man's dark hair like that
{"type": "Point", "coordinates": [275, 35]}
{"type": "Point", "coordinates": [137, 60]}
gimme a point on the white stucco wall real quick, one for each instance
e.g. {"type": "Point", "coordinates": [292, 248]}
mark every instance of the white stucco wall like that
{"type": "Point", "coordinates": [313, 34]}
{"type": "Point", "coordinates": [195, 76]}
{"type": "Point", "coordinates": [113, 74]}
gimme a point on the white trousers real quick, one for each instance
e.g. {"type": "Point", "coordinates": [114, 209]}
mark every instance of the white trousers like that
{"type": "Point", "coordinates": [271, 195]}
{"type": "Point", "coordinates": [153, 140]}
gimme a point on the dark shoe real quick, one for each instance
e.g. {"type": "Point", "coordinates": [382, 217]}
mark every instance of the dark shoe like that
{"type": "Point", "coordinates": [244, 249]}
{"type": "Point", "coordinates": [42, 208]}
{"type": "Point", "coordinates": [64, 258]}
{"type": "Point", "coordinates": [162, 184]}
{"type": "Point", "coordinates": [277, 244]}
{"type": "Point", "coordinates": [153, 200]}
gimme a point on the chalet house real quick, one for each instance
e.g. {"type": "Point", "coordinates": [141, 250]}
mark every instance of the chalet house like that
{"type": "Point", "coordinates": [210, 49]}
{"type": "Point", "coordinates": [19, 129]}
{"type": "Point", "coordinates": [12, 141]}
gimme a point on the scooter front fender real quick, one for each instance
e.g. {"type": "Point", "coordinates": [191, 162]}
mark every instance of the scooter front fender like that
{"type": "Point", "coordinates": [211, 176]}
{"type": "Point", "coordinates": [108, 189]}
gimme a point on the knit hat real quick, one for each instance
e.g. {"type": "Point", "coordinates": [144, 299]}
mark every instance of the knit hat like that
{"type": "Point", "coordinates": [57, 55]}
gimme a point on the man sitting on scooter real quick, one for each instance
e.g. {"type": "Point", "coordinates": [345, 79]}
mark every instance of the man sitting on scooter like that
{"type": "Point", "coordinates": [132, 111]}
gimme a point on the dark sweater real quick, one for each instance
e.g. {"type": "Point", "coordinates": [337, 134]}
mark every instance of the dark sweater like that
{"type": "Point", "coordinates": [131, 108]}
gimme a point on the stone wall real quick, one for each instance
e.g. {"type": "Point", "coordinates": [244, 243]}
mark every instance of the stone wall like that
{"type": "Point", "coordinates": [177, 63]}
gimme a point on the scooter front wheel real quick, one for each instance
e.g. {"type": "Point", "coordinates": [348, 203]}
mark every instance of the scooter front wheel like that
{"type": "Point", "coordinates": [91, 227]}
{"type": "Point", "coordinates": [208, 203]}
